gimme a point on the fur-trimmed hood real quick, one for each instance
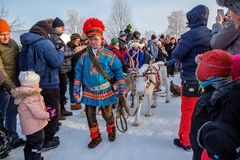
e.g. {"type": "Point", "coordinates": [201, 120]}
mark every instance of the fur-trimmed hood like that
{"type": "Point", "coordinates": [23, 92]}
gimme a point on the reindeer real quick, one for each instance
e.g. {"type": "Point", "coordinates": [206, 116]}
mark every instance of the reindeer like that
{"type": "Point", "coordinates": [145, 83]}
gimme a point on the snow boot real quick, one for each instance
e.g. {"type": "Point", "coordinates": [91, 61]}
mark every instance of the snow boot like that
{"type": "Point", "coordinates": [111, 129]}
{"type": "Point", "coordinates": [96, 137]}
{"type": "Point", "coordinates": [177, 142]}
{"type": "Point", "coordinates": [75, 106]}
{"type": "Point", "coordinates": [95, 142]}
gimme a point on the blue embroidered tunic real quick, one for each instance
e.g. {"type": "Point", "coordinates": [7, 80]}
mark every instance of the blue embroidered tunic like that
{"type": "Point", "coordinates": [87, 74]}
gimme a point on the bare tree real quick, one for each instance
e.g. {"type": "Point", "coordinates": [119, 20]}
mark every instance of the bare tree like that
{"type": "Point", "coordinates": [177, 24]}
{"type": "Point", "coordinates": [75, 21]}
{"type": "Point", "coordinates": [120, 17]}
{"type": "Point", "coordinates": [16, 24]}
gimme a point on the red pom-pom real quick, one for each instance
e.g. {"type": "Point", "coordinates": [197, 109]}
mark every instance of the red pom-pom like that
{"type": "Point", "coordinates": [91, 24]}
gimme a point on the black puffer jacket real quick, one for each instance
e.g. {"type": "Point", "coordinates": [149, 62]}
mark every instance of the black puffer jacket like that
{"type": "Point", "coordinates": [222, 104]}
{"type": "Point", "coordinates": [68, 51]}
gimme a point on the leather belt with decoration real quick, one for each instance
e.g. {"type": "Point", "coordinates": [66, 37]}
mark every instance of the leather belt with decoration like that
{"type": "Point", "coordinates": [101, 87]}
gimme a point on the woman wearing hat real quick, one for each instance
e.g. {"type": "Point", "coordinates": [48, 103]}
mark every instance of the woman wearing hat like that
{"type": "Point", "coordinates": [97, 90]}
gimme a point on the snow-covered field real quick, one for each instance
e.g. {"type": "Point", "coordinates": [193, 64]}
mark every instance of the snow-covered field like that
{"type": "Point", "coordinates": [152, 140]}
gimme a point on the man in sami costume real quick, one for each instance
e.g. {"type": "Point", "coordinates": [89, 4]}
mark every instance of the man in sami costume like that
{"type": "Point", "coordinates": [97, 90]}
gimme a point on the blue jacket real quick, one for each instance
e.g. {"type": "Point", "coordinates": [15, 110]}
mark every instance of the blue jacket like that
{"type": "Point", "coordinates": [49, 56]}
{"type": "Point", "coordinates": [153, 48]}
{"type": "Point", "coordinates": [193, 42]}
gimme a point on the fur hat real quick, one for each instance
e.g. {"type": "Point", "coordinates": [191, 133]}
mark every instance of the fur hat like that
{"type": "Point", "coordinates": [29, 79]}
{"type": "Point", "coordinates": [93, 27]}
{"type": "Point", "coordinates": [233, 5]}
{"type": "Point", "coordinates": [75, 36]}
{"type": "Point", "coordinates": [214, 63]}
{"type": "Point", "coordinates": [136, 45]}
{"type": "Point", "coordinates": [57, 22]}
{"type": "Point", "coordinates": [4, 26]}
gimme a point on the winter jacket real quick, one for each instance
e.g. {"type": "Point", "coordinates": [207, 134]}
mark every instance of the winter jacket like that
{"type": "Point", "coordinates": [122, 44]}
{"type": "Point", "coordinates": [221, 104]}
{"type": "Point", "coordinates": [226, 38]}
{"type": "Point", "coordinates": [153, 48]}
{"type": "Point", "coordinates": [193, 42]}
{"type": "Point", "coordinates": [32, 110]}
{"type": "Point", "coordinates": [88, 75]}
{"type": "Point", "coordinates": [132, 58]}
{"type": "Point", "coordinates": [52, 58]}
{"type": "Point", "coordinates": [2, 78]}
{"type": "Point", "coordinates": [117, 52]}
{"type": "Point", "coordinates": [68, 51]}
{"type": "Point", "coordinates": [8, 64]}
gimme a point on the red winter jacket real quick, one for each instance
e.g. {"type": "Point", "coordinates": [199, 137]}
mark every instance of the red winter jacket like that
{"type": "Point", "coordinates": [120, 54]}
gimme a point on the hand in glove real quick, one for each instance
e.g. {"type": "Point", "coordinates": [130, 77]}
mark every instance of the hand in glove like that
{"type": "Point", "coordinates": [51, 111]}
{"type": "Point", "coordinates": [76, 94]}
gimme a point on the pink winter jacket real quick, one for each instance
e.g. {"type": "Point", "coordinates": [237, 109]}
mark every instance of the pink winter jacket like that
{"type": "Point", "coordinates": [31, 109]}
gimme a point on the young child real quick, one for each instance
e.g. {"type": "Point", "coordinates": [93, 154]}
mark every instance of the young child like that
{"type": "Point", "coordinates": [215, 122]}
{"type": "Point", "coordinates": [33, 114]}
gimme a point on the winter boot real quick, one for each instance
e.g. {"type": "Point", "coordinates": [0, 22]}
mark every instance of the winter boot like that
{"type": "Point", "coordinates": [177, 142]}
{"type": "Point", "coordinates": [95, 142]}
{"type": "Point", "coordinates": [75, 106]}
{"type": "Point", "coordinates": [51, 144]}
{"type": "Point", "coordinates": [96, 137]}
{"type": "Point", "coordinates": [66, 113]}
{"type": "Point", "coordinates": [111, 129]}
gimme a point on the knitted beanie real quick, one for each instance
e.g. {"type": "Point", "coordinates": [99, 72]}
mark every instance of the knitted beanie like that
{"type": "Point", "coordinates": [4, 26]}
{"type": "Point", "coordinates": [214, 63]}
{"type": "Point", "coordinates": [114, 41]}
{"type": "Point", "coordinates": [29, 79]}
{"type": "Point", "coordinates": [57, 23]}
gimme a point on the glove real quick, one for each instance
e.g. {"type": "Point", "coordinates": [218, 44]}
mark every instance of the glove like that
{"type": "Point", "coordinates": [51, 111]}
{"type": "Point", "coordinates": [76, 95]}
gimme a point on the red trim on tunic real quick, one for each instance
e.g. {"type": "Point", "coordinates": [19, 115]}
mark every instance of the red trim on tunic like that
{"type": "Point", "coordinates": [98, 96]}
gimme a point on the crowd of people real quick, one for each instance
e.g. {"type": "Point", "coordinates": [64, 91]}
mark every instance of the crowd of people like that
{"type": "Point", "coordinates": [34, 80]}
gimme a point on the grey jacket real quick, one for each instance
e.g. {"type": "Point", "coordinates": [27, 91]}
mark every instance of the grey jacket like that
{"type": "Point", "coordinates": [227, 38]}
{"type": "Point", "coordinates": [68, 52]}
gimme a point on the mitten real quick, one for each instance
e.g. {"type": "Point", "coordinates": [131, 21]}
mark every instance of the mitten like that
{"type": "Point", "coordinates": [51, 111]}
{"type": "Point", "coordinates": [76, 94]}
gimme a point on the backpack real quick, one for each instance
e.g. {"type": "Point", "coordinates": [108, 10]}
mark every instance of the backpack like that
{"type": "Point", "coordinates": [6, 140]}
{"type": "Point", "coordinates": [29, 59]}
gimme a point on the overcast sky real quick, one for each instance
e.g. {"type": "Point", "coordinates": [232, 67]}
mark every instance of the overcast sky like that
{"type": "Point", "coordinates": [146, 14]}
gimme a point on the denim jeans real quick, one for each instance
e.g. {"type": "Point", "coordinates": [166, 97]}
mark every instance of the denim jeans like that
{"type": "Point", "coordinates": [9, 112]}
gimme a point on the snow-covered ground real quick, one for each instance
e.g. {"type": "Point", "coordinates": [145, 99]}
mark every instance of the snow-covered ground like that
{"type": "Point", "coordinates": [152, 140]}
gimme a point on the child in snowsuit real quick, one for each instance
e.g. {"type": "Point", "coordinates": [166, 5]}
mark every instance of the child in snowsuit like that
{"type": "Point", "coordinates": [215, 124]}
{"type": "Point", "coordinates": [33, 113]}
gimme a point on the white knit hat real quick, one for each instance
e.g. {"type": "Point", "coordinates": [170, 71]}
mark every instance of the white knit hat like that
{"type": "Point", "coordinates": [29, 79]}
